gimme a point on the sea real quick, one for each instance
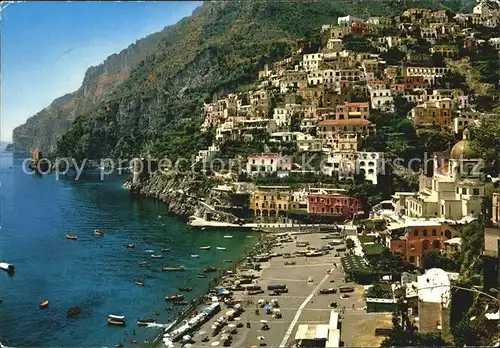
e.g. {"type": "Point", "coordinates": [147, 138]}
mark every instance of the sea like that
{"type": "Point", "coordinates": [95, 273]}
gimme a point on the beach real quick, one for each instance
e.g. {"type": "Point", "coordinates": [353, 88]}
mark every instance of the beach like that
{"type": "Point", "coordinates": [302, 304]}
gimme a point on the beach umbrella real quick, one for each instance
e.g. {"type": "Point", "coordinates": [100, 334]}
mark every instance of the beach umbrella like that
{"type": "Point", "coordinates": [215, 344]}
{"type": "Point", "coordinates": [186, 338]}
{"type": "Point", "coordinates": [264, 321]}
{"type": "Point", "coordinates": [202, 333]}
{"type": "Point", "coordinates": [261, 301]}
{"type": "Point", "coordinates": [188, 345]}
{"type": "Point", "coordinates": [214, 327]}
{"type": "Point", "coordinates": [261, 338]}
{"type": "Point", "coordinates": [231, 326]}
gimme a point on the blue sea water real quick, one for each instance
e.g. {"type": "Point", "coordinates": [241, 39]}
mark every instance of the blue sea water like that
{"type": "Point", "coordinates": [95, 273]}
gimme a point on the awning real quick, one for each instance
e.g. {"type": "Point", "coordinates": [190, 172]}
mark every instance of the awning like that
{"type": "Point", "coordinates": [312, 332]}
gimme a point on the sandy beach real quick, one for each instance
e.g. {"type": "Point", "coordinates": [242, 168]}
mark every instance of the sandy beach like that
{"type": "Point", "coordinates": [302, 304]}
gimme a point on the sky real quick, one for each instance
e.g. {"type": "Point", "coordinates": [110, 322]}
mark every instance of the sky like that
{"type": "Point", "coordinates": [46, 47]}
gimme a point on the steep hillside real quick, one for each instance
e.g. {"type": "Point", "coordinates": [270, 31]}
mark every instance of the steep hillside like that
{"type": "Point", "coordinates": [219, 47]}
{"type": "Point", "coordinates": [45, 128]}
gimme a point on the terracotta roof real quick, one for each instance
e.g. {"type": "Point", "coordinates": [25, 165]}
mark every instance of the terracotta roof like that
{"type": "Point", "coordinates": [353, 121]}
{"type": "Point", "coordinates": [360, 104]}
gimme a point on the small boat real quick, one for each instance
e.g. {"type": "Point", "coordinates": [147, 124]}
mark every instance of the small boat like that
{"type": "Point", "coordinates": [176, 297]}
{"type": "Point", "coordinates": [221, 248]}
{"type": "Point", "coordinates": [73, 312]}
{"type": "Point", "coordinates": [164, 250]}
{"type": "Point", "coordinates": [143, 264]}
{"type": "Point", "coordinates": [210, 269]}
{"type": "Point", "coordinates": [99, 232]}
{"type": "Point", "coordinates": [195, 255]}
{"type": "Point", "coordinates": [131, 246]}
{"type": "Point", "coordinates": [149, 251]}
{"type": "Point", "coordinates": [228, 236]}
{"type": "Point", "coordinates": [186, 288]}
{"type": "Point", "coordinates": [205, 247]}
{"type": "Point", "coordinates": [146, 322]}
{"type": "Point", "coordinates": [173, 268]}
{"type": "Point", "coordinates": [158, 256]}
{"type": "Point", "coordinates": [71, 236]}
{"type": "Point", "coordinates": [139, 282]}
{"type": "Point", "coordinates": [202, 276]}
{"type": "Point", "coordinates": [44, 304]}
{"type": "Point", "coordinates": [120, 345]}
{"type": "Point", "coordinates": [180, 303]}
{"type": "Point", "coordinates": [228, 260]}
{"type": "Point", "coordinates": [116, 320]}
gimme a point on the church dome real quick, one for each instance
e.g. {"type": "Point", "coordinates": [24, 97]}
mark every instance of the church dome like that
{"type": "Point", "coordinates": [462, 149]}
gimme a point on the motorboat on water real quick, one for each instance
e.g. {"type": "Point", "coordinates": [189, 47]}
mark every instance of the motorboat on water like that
{"type": "Point", "coordinates": [176, 297]}
{"type": "Point", "coordinates": [173, 268]}
{"type": "Point", "coordinates": [180, 303]}
{"type": "Point", "coordinates": [118, 320]}
{"type": "Point", "coordinates": [221, 248]}
{"type": "Point", "coordinates": [44, 304]}
{"type": "Point", "coordinates": [186, 288]}
{"type": "Point", "coordinates": [149, 251]}
{"type": "Point", "coordinates": [201, 276]}
{"type": "Point", "coordinates": [98, 232]}
{"type": "Point", "coordinates": [139, 282]}
{"type": "Point", "coordinates": [143, 264]}
{"type": "Point", "coordinates": [164, 250]}
{"type": "Point", "coordinates": [156, 256]}
{"type": "Point", "coordinates": [71, 236]}
{"type": "Point", "coordinates": [210, 269]}
{"type": "Point", "coordinates": [130, 246]}
{"type": "Point", "coordinates": [146, 322]}
{"type": "Point", "coordinates": [228, 260]}
{"type": "Point", "coordinates": [205, 247]}
{"type": "Point", "coordinates": [195, 255]}
{"type": "Point", "coordinates": [228, 236]}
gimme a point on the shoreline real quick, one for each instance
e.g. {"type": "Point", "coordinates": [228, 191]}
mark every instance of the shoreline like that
{"type": "Point", "coordinates": [259, 247]}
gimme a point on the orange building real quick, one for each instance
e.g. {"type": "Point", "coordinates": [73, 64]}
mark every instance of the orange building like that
{"type": "Point", "coordinates": [433, 113]}
{"type": "Point", "coordinates": [419, 238]}
{"type": "Point", "coordinates": [353, 111]}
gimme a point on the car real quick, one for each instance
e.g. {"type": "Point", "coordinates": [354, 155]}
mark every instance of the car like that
{"type": "Point", "coordinates": [344, 296]}
{"type": "Point", "coordinates": [328, 291]}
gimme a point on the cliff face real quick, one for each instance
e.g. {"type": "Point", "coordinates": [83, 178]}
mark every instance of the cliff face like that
{"type": "Point", "coordinates": [185, 195]}
{"type": "Point", "coordinates": [44, 129]}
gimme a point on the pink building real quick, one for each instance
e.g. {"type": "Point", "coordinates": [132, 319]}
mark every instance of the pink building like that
{"type": "Point", "coordinates": [334, 204]}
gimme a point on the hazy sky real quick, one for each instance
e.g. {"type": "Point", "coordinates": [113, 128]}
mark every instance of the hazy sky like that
{"type": "Point", "coordinates": [48, 46]}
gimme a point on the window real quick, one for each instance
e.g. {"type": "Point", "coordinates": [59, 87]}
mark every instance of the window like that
{"type": "Point", "coordinates": [475, 192]}
{"type": "Point", "coordinates": [424, 233]}
{"type": "Point", "coordinates": [412, 259]}
{"type": "Point", "coordinates": [436, 244]}
{"type": "Point", "coordinates": [464, 191]}
{"type": "Point", "coordinates": [434, 232]}
{"type": "Point", "coordinates": [415, 233]}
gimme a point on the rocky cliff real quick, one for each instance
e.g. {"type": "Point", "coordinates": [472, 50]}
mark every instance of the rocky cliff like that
{"type": "Point", "coordinates": [44, 129]}
{"type": "Point", "coordinates": [185, 195]}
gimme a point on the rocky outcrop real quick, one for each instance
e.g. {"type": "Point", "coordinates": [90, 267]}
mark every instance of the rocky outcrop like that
{"type": "Point", "coordinates": [184, 195]}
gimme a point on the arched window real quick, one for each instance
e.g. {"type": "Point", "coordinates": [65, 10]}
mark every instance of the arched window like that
{"type": "Point", "coordinates": [434, 232]}
{"type": "Point", "coordinates": [436, 244]}
{"type": "Point", "coordinates": [424, 233]}
{"type": "Point", "coordinates": [425, 244]}
{"type": "Point", "coordinates": [447, 234]}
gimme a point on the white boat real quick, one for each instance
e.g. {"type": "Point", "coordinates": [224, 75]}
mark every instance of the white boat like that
{"type": "Point", "coordinates": [156, 256]}
{"type": "Point", "coordinates": [228, 236]}
{"type": "Point", "coordinates": [149, 251]}
{"type": "Point", "coordinates": [117, 317]}
{"type": "Point", "coordinates": [205, 248]}
{"type": "Point", "coordinates": [194, 255]}
{"type": "Point", "coordinates": [221, 248]}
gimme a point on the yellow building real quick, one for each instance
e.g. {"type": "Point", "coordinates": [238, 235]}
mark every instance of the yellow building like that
{"type": "Point", "coordinates": [272, 201]}
{"type": "Point", "coordinates": [447, 51]}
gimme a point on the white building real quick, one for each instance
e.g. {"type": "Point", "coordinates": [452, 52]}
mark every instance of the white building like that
{"type": "Point", "coordinates": [335, 45]}
{"type": "Point", "coordinates": [347, 20]}
{"type": "Point", "coordinates": [455, 190]}
{"type": "Point", "coordinates": [381, 98]}
{"type": "Point", "coordinates": [282, 116]}
{"type": "Point", "coordinates": [312, 62]}
{"type": "Point", "coordinates": [346, 164]}
{"type": "Point", "coordinates": [268, 163]}
{"type": "Point", "coordinates": [208, 154]}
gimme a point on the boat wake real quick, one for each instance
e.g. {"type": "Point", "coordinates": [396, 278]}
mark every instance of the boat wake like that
{"type": "Point", "coordinates": [158, 325]}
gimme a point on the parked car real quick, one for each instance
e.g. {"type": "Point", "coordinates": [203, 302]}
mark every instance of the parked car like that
{"type": "Point", "coordinates": [328, 291]}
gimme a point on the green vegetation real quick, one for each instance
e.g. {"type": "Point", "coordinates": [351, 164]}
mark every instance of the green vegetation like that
{"type": "Point", "coordinates": [379, 290]}
{"type": "Point", "coordinates": [439, 260]}
{"type": "Point", "coordinates": [367, 239]}
{"type": "Point", "coordinates": [373, 249]}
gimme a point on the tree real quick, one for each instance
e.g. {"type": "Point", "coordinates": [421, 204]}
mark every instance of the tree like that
{"type": "Point", "coordinates": [438, 260]}
{"type": "Point", "coordinates": [349, 243]}
{"type": "Point", "coordinates": [485, 138]}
